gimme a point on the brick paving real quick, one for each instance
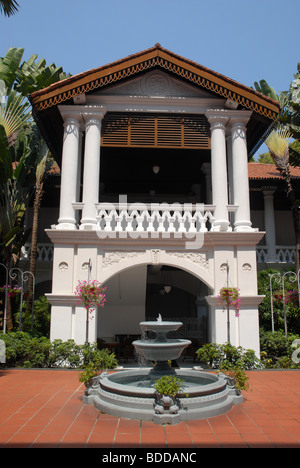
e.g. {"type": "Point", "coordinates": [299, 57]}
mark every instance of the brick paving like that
{"type": "Point", "coordinates": [44, 409]}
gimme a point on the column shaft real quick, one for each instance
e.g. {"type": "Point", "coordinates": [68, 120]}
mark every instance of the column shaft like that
{"type": "Point", "coordinates": [240, 175]}
{"type": "Point", "coordinates": [219, 171]}
{"type": "Point", "coordinates": [69, 172]}
{"type": "Point", "coordinates": [91, 171]}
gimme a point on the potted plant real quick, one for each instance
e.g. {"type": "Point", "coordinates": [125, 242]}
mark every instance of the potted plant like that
{"type": "Point", "coordinates": [229, 296]}
{"type": "Point", "coordinates": [167, 388]}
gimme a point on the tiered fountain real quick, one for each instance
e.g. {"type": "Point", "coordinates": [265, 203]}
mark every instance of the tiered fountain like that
{"type": "Point", "coordinates": [131, 394]}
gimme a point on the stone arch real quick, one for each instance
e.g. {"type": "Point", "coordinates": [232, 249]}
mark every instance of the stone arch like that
{"type": "Point", "coordinates": [193, 262]}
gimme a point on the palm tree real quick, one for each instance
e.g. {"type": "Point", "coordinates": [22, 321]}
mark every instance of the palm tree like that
{"type": "Point", "coordinates": [40, 172]}
{"type": "Point", "coordinates": [278, 144]}
{"type": "Point", "coordinates": [8, 7]}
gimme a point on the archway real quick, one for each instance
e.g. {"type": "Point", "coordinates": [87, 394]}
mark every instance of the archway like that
{"type": "Point", "coordinates": [143, 291]}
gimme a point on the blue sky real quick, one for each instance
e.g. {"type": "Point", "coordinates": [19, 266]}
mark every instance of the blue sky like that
{"type": "Point", "coordinates": [244, 40]}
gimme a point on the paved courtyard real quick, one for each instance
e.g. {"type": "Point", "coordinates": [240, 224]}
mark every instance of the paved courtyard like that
{"type": "Point", "coordinates": [44, 408]}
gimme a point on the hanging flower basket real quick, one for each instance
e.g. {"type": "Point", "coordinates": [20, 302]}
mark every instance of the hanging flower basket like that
{"type": "Point", "coordinates": [11, 291]}
{"type": "Point", "coordinates": [230, 297]}
{"type": "Point", "coordinates": [291, 297]}
{"type": "Point", "coordinates": [91, 294]}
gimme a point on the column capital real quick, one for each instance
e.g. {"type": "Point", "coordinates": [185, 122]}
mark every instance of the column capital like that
{"type": "Point", "coordinates": [70, 113]}
{"type": "Point", "coordinates": [239, 118]}
{"type": "Point", "coordinates": [217, 117]}
{"type": "Point", "coordinates": [268, 190]}
{"type": "Point", "coordinates": [93, 114]}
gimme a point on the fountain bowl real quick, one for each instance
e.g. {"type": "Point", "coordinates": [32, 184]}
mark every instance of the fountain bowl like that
{"type": "Point", "coordinates": [160, 327]}
{"type": "Point", "coordinates": [154, 351]}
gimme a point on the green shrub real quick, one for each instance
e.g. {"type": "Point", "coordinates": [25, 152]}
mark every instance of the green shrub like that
{"type": "Point", "coordinates": [217, 356]}
{"type": "Point", "coordinates": [25, 350]}
{"type": "Point", "coordinates": [240, 377]}
{"type": "Point", "coordinates": [277, 349]}
{"type": "Point", "coordinates": [21, 347]}
{"type": "Point", "coordinates": [65, 354]}
{"type": "Point", "coordinates": [96, 361]}
{"type": "Point", "coordinates": [38, 323]}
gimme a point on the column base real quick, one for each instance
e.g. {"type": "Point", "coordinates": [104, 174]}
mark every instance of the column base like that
{"type": "Point", "coordinates": [64, 224]}
{"type": "Point", "coordinates": [221, 226]}
{"type": "Point", "coordinates": [243, 226]}
{"type": "Point", "coordinates": [88, 225]}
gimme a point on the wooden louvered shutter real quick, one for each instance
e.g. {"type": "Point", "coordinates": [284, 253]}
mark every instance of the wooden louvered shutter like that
{"type": "Point", "coordinates": [155, 131]}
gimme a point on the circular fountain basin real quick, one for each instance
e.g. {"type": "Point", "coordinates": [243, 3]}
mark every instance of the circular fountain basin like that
{"type": "Point", "coordinates": [131, 394]}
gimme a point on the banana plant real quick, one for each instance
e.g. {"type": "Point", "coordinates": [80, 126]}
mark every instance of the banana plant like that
{"type": "Point", "coordinates": [30, 75]}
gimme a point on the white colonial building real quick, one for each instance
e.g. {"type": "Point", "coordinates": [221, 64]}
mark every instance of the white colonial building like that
{"type": "Point", "coordinates": [153, 155]}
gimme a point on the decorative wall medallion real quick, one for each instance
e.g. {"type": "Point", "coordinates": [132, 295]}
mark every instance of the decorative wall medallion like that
{"type": "Point", "coordinates": [115, 257]}
{"type": "Point", "coordinates": [157, 83]}
{"type": "Point", "coordinates": [223, 267]}
{"type": "Point", "coordinates": [63, 266]}
{"type": "Point", "coordinates": [247, 267]}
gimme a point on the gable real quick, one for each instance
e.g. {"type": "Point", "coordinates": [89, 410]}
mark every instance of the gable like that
{"type": "Point", "coordinates": [155, 83]}
{"type": "Point", "coordinates": [154, 72]}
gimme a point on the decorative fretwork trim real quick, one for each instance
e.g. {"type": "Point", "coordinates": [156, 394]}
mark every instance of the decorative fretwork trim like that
{"type": "Point", "coordinates": [191, 74]}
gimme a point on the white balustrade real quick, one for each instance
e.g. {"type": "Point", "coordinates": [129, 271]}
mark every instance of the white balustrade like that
{"type": "Point", "coordinates": [154, 218]}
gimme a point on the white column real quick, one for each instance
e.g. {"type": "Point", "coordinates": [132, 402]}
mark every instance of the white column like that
{"type": "Point", "coordinates": [91, 171]}
{"type": "Point", "coordinates": [69, 168]}
{"type": "Point", "coordinates": [270, 223]}
{"type": "Point", "coordinates": [219, 169]}
{"type": "Point", "coordinates": [240, 171]}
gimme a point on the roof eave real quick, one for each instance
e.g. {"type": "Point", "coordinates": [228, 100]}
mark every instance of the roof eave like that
{"type": "Point", "coordinates": [154, 57]}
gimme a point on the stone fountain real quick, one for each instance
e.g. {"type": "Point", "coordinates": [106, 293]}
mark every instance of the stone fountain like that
{"type": "Point", "coordinates": [131, 393]}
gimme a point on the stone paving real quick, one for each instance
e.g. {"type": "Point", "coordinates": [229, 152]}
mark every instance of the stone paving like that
{"type": "Point", "coordinates": [44, 409]}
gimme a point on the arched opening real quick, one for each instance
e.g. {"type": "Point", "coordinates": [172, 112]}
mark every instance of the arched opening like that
{"type": "Point", "coordinates": [142, 292]}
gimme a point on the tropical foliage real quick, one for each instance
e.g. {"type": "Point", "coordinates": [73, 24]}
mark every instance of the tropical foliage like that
{"type": "Point", "coordinates": [289, 102]}
{"type": "Point", "coordinates": [22, 150]}
{"type": "Point", "coordinates": [8, 7]}
{"type": "Point", "coordinates": [278, 144]}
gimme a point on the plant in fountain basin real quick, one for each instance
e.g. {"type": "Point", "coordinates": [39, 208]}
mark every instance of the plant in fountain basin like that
{"type": "Point", "coordinates": [168, 385]}
{"type": "Point", "coordinates": [167, 388]}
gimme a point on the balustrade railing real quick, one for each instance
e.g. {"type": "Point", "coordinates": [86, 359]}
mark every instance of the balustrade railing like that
{"type": "Point", "coordinates": [284, 254]}
{"type": "Point", "coordinates": [44, 252]}
{"type": "Point", "coordinates": [155, 218]}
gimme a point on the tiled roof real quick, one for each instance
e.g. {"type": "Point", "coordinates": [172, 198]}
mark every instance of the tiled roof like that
{"type": "Point", "coordinates": [156, 56]}
{"type": "Point", "coordinates": [258, 171]}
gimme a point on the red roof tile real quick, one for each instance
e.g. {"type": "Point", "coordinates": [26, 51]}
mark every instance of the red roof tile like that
{"type": "Point", "coordinates": [268, 171]}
